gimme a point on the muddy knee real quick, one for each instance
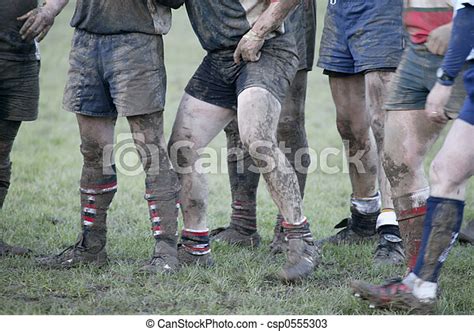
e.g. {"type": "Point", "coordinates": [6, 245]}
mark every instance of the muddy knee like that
{"type": "Point", "coordinates": [358, 136]}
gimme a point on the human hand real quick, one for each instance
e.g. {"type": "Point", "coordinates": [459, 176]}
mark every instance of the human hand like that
{"type": "Point", "coordinates": [438, 39]}
{"type": "Point", "coordinates": [437, 100]}
{"type": "Point", "coordinates": [249, 47]}
{"type": "Point", "coordinates": [37, 23]}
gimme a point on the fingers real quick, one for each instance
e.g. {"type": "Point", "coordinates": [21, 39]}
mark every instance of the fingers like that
{"type": "Point", "coordinates": [35, 29]}
{"type": "Point", "coordinates": [24, 17]}
{"type": "Point", "coordinates": [43, 33]}
{"type": "Point", "coordinates": [27, 25]}
{"type": "Point", "coordinates": [237, 55]}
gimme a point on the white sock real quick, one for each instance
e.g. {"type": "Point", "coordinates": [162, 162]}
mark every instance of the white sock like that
{"type": "Point", "coordinates": [423, 290]}
{"type": "Point", "coordinates": [387, 217]}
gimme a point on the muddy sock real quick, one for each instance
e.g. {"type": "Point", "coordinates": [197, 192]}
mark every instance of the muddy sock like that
{"type": "Point", "coordinates": [195, 242]}
{"type": "Point", "coordinates": [278, 225]}
{"type": "Point", "coordinates": [243, 184]}
{"type": "Point", "coordinates": [411, 210]}
{"type": "Point", "coordinates": [97, 192]}
{"type": "Point", "coordinates": [387, 223]}
{"type": "Point", "coordinates": [440, 231]}
{"type": "Point", "coordinates": [164, 218]}
{"type": "Point", "coordinates": [244, 218]}
{"type": "Point", "coordinates": [298, 231]}
{"type": "Point", "coordinates": [364, 212]}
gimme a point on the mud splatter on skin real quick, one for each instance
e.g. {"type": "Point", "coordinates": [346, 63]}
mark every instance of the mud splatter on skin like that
{"type": "Point", "coordinates": [396, 173]}
{"type": "Point", "coordinates": [281, 181]}
{"type": "Point", "coordinates": [161, 179]}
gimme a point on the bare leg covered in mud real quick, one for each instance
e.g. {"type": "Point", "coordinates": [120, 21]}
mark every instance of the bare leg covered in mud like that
{"type": "Point", "coordinates": [354, 126]}
{"type": "Point", "coordinates": [291, 136]}
{"type": "Point", "coordinates": [192, 131]}
{"type": "Point", "coordinates": [450, 172]}
{"type": "Point", "coordinates": [409, 136]}
{"type": "Point", "coordinates": [258, 114]}
{"type": "Point", "coordinates": [361, 117]}
{"type": "Point", "coordinates": [389, 248]}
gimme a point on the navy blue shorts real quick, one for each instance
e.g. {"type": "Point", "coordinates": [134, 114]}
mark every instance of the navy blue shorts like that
{"type": "Point", "coordinates": [361, 36]}
{"type": "Point", "coordinates": [219, 81]}
{"type": "Point", "coordinates": [467, 112]}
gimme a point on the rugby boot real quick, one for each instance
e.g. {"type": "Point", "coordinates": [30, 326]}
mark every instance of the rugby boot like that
{"type": "Point", "coordinates": [187, 258]}
{"type": "Point", "coordinates": [357, 229]}
{"type": "Point", "coordinates": [394, 294]}
{"type": "Point", "coordinates": [9, 250]}
{"type": "Point", "coordinates": [164, 259]}
{"type": "Point", "coordinates": [232, 236]}
{"type": "Point", "coordinates": [279, 244]}
{"type": "Point", "coordinates": [242, 230]}
{"type": "Point", "coordinates": [194, 248]}
{"type": "Point", "coordinates": [466, 235]}
{"type": "Point", "coordinates": [389, 250]}
{"type": "Point", "coordinates": [88, 250]}
{"type": "Point", "coordinates": [303, 255]}
{"type": "Point", "coordinates": [90, 247]}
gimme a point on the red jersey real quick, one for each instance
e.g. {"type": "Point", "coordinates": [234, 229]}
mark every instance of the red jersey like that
{"type": "Point", "coordinates": [423, 16]}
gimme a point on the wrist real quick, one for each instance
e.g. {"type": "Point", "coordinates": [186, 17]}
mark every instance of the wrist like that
{"type": "Point", "coordinates": [53, 8]}
{"type": "Point", "coordinates": [252, 35]}
{"type": "Point", "coordinates": [444, 78]}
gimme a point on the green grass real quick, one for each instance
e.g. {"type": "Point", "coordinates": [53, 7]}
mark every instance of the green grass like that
{"type": "Point", "coordinates": [42, 212]}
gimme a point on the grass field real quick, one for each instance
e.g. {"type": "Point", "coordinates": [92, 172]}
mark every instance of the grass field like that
{"type": "Point", "coordinates": [42, 212]}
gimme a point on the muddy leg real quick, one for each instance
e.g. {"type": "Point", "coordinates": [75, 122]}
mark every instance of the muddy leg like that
{"type": "Point", "coordinates": [192, 131]}
{"type": "Point", "coordinates": [291, 134]}
{"type": "Point", "coordinates": [243, 181]}
{"type": "Point", "coordinates": [242, 230]}
{"type": "Point", "coordinates": [162, 187]}
{"type": "Point", "coordinates": [354, 126]}
{"type": "Point", "coordinates": [376, 86]}
{"type": "Point", "coordinates": [389, 248]}
{"type": "Point", "coordinates": [8, 132]}
{"type": "Point", "coordinates": [258, 114]}
{"type": "Point", "coordinates": [409, 136]}
{"type": "Point", "coordinates": [450, 172]}
{"type": "Point", "coordinates": [97, 186]}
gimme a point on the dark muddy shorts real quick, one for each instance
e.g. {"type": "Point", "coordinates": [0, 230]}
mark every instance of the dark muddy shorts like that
{"type": "Point", "coordinates": [19, 90]}
{"type": "Point", "coordinates": [110, 75]}
{"type": "Point", "coordinates": [361, 36]}
{"type": "Point", "coordinates": [219, 81]}
{"type": "Point", "coordinates": [414, 79]}
{"type": "Point", "coordinates": [467, 112]}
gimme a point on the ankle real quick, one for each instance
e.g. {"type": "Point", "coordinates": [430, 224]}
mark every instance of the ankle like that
{"type": "Point", "coordinates": [196, 242]}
